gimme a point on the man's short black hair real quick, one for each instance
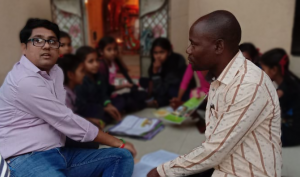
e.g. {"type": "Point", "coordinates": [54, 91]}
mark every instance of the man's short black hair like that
{"type": "Point", "coordinates": [222, 24]}
{"type": "Point", "coordinates": [33, 23]}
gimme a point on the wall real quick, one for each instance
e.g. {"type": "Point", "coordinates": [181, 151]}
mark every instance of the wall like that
{"type": "Point", "coordinates": [13, 16]}
{"type": "Point", "coordinates": [266, 23]}
{"type": "Point", "coordinates": [95, 21]}
{"type": "Point", "coordinates": [179, 25]}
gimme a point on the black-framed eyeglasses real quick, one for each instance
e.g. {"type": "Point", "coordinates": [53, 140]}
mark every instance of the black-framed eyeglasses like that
{"type": "Point", "coordinates": [38, 42]}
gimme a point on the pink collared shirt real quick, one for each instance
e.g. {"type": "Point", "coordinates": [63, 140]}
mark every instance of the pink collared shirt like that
{"type": "Point", "coordinates": [33, 114]}
{"type": "Point", "coordinates": [242, 127]}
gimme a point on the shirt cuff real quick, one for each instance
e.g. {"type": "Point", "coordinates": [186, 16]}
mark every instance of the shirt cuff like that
{"type": "Point", "coordinates": [91, 134]}
{"type": "Point", "coordinates": [161, 169]}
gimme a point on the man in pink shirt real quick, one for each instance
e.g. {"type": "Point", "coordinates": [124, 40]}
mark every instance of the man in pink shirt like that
{"type": "Point", "coordinates": [34, 120]}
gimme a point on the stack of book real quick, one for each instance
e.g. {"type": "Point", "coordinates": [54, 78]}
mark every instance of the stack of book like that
{"type": "Point", "coordinates": [136, 127]}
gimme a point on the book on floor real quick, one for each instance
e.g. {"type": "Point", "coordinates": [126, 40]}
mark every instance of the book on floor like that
{"type": "Point", "coordinates": [152, 160]}
{"type": "Point", "coordinates": [136, 127]}
{"type": "Point", "coordinates": [185, 111]}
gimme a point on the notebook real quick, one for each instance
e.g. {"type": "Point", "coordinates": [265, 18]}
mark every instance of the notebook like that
{"type": "Point", "coordinates": [136, 127]}
{"type": "Point", "coordinates": [152, 160]}
{"type": "Point", "coordinates": [185, 111]}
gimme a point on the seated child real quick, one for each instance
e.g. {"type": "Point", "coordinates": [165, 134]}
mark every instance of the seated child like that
{"type": "Point", "coordinates": [276, 64]}
{"type": "Point", "coordinates": [73, 70]}
{"type": "Point", "coordinates": [165, 74]}
{"type": "Point", "coordinates": [93, 95]}
{"type": "Point", "coordinates": [65, 43]}
{"type": "Point", "coordinates": [111, 63]}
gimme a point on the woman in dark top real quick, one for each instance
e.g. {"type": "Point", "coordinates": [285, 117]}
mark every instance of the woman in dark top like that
{"type": "Point", "coordinates": [276, 64]}
{"type": "Point", "coordinates": [165, 74]}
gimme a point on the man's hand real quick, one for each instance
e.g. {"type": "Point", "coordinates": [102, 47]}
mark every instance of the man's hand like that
{"type": "Point", "coordinates": [156, 66]}
{"type": "Point", "coordinates": [113, 112]}
{"type": "Point", "coordinates": [131, 148]}
{"type": "Point", "coordinates": [153, 173]}
{"type": "Point", "coordinates": [175, 103]}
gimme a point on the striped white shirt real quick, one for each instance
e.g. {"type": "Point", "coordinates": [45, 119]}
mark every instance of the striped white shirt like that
{"type": "Point", "coordinates": [4, 170]}
{"type": "Point", "coordinates": [242, 127]}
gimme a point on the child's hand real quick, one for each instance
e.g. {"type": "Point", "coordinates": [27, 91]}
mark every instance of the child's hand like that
{"type": "Point", "coordinates": [113, 112]}
{"type": "Point", "coordinates": [175, 103]}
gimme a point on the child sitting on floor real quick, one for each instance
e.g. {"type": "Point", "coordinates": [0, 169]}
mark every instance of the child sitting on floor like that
{"type": "Point", "coordinates": [111, 63]}
{"type": "Point", "coordinates": [65, 43]}
{"type": "Point", "coordinates": [276, 64]}
{"type": "Point", "coordinates": [93, 95]}
{"type": "Point", "coordinates": [165, 74]}
{"type": "Point", "coordinates": [73, 70]}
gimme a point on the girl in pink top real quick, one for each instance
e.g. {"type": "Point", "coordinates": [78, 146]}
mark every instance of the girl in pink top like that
{"type": "Point", "coordinates": [188, 75]}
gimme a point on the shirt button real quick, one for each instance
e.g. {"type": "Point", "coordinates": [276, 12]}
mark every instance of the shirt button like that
{"type": "Point", "coordinates": [213, 89]}
{"type": "Point", "coordinates": [211, 127]}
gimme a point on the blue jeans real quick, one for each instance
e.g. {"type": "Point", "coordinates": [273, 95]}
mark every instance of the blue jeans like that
{"type": "Point", "coordinates": [59, 162]}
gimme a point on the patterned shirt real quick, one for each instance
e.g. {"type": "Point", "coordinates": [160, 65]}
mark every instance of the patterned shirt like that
{"type": "Point", "coordinates": [242, 127]}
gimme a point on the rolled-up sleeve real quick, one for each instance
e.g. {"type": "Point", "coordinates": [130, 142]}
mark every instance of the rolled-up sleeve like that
{"type": "Point", "coordinates": [234, 125]}
{"type": "Point", "coordinates": [36, 99]}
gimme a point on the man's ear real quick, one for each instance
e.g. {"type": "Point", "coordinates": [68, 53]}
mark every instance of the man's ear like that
{"type": "Point", "coordinates": [219, 46]}
{"type": "Point", "coordinates": [23, 48]}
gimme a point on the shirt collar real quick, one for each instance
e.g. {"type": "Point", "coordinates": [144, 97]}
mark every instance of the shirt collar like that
{"type": "Point", "coordinates": [29, 65]}
{"type": "Point", "coordinates": [232, 68]}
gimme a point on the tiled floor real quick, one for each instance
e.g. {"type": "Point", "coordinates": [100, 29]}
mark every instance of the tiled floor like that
{"type": "Point", "coordinates": [182, 139]}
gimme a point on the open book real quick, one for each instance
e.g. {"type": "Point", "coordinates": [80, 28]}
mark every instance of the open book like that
{"type": "Point", "coordinates": [143, 128]}
{"type": "Point", "coordinates": [184, 111]}
{"type": "Point", "coordinates": [152, 160]}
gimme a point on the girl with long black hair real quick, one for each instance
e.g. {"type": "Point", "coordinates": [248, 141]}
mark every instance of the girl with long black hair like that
{"type": "Point", "coordinates": [165, 74]}
{"type": "Point", "coordinates": [276, 64]}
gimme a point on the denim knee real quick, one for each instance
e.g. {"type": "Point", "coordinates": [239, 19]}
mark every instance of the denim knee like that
{"type": "Point", "coordinates": [125, 155]}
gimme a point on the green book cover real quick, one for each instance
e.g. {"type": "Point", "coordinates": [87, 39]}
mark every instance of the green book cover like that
{"type": "Point", "coordinates": [184, 111]}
